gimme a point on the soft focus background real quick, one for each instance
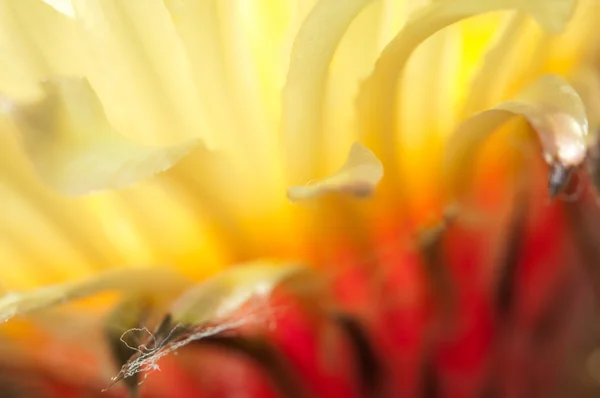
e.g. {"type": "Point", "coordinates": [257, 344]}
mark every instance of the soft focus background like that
{"type": "Point", "coordinates": [147, 148]}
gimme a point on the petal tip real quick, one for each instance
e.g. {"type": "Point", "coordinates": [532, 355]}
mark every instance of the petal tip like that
{"type": "Point", "coordinates": [358, 177]}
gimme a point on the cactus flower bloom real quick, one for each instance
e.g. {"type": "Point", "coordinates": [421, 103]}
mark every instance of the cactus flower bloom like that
{"type": "Point", "coordinates": [299, 198]}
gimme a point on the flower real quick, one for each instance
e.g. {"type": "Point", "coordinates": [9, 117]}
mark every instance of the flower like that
{"type": "Point", "coordinates": [152, 149]}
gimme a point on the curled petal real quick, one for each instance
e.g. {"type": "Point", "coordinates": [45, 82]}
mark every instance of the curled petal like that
{"type": "Point", "coordinates": [586, 81]}
{"type": "Point", "coordinates": [73, 146]}
{"type": "Point", "coordinates": [552, 108]}
{"type": "Point", "coordinates": [498, 65]}
{"type": "Point", "coordinates": [304, 89]}
{"type": "Point", "coordinates": [359, 176]}
{"type": "Point", "coordinates": [377, 103]}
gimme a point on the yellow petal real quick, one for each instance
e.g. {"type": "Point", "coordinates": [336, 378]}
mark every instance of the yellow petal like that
{"type": "Point", "coordinates": [552, 108]}
{"type": "Point", "coordinates": [578, 42]}
{"type": "Point", "coordinates": [353, 60]}
{"type": "Point", "coordinates": [22, 63]}
{"type": "Point", "coordinates": [557, 114]}
{"type": "Point", "coordinates": [136, 62]}
{"type": "Point", "coordinates": [359, 176]}
{"type": "Point", "coordinates": [303, 93]}
{"type": "Point", "coordinates": [74, 148]}
{"type": "Point", "coordinates": [498, 65]}
{"type": "Point", "coordinates": [221, 295]}
{"type": "Point", "coordinates": [586, 81]}
{"type": "Point", "coordinates": [377, 101]}
{"type": "Point", "coordinates": [154, 281]}
{"type": "Point", "coordinates": [198, 25]}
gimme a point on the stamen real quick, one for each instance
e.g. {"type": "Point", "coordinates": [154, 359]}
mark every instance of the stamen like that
{"type": "Point", "coordinates": [260, 351]}
{"type": "Point", "coordinates": [430, 379]}
{"type": "Point", "coordinates": [431, 245]}
{"type": "Point", "coordinates": [508, 264]}
{"type": "Point", "coordinates": [558, 178]}
{"type": "Point", "coordinates": [121, 333]}
{"type": "Point", "coordinates": [370, 368]}
{"type": "Point", "coordinates": [491, 389]}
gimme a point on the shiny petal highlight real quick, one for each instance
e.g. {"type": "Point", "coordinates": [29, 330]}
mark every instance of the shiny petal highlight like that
{"type": "Point", "coordinates": [552, 108]}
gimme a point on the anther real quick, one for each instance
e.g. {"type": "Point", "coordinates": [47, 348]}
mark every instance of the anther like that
{"type": "Point", "coordinates": [558, 178]}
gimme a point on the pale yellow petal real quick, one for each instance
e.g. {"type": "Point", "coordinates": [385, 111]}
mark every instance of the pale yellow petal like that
{"type": "Point", "coordinates": [305, 86]}
{"type": "Point", "coordinates": [552, 108]}
{"type": "Point", "coordinates": [579, 43]}
{"type": "Point", "coordinates": [497, 66]}
{"type": "Point", "coordinates": [220, 296]}
{"type": "Point", "coordinates": [557, 114]}
{"type": "Point", "coordinates": [134, 221]}
{"type": "Point", "coordinates": [586, 81]}
{"type": "Point", "coordinates": [46, 253]}
{"type": "Point", "coordinates": [377, 103]}
{"type": "Point", "coordinates": [74, 148]}
{"type": "Point", "coordinates": [155, 281]}
{"type": "Point", "coordinates": [394, 16]}
{"type": "Point", "coordinates": [65, 243]}
{"type": "Point", "coordinates": [352, 60]}
{"type": "Point", "coordinates": [238, 59]}
{"type": "Point", "coordinates": [22, 64]}
{"type": "Point", "coordinates": [198, 26]}
{"type": "Point", "coordinates": [359, 176]}
{"type": "Point", "coordinates": [137, 64]}
{"type": "Point", "coordinates": [255, 40]}
{"type": "Point", "coordinates": [429, 87]}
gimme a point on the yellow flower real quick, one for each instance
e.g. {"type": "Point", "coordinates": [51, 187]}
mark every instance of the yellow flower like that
{"type": "Point", "coordinates": [170, 168]}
